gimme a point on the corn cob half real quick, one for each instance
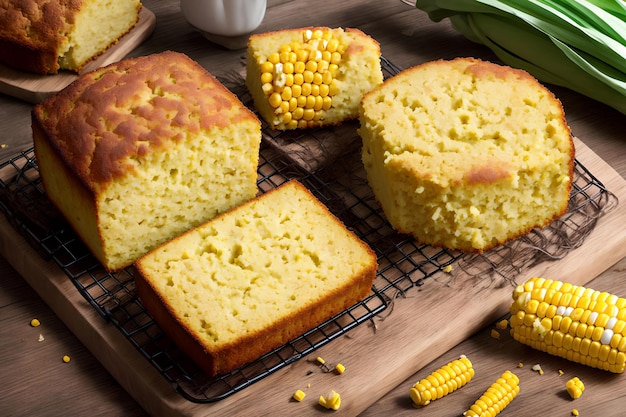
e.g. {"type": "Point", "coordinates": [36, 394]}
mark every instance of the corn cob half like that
{"type": "Point", "coordinates": [576, 323]}
{"type": "Point", "coordinates": [496, 398]}
{"type": "Point", "coordinates": [442, 382]}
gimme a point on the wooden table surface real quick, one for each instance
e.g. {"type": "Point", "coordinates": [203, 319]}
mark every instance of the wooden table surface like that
{"type": "Point", "coordinates": [38, 383]}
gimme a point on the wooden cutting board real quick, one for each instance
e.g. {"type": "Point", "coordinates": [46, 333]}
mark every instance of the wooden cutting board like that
{"type": "Point", "coordinates": [34, 88]}
{"type": "Point", "coordinates": [420, 327]}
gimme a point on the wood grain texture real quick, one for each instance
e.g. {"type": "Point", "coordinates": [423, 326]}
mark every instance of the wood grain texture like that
{"type": "Point", "coordinates": [37, 387]}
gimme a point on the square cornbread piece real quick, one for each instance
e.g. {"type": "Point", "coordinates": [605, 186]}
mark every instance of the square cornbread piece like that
{"type": "Point", "coordinates": [254, 278]}
{"type": "Point", "coordinates": [140, 151]}
{"type": "Point", "coordinates": [43, 36]}
{"type": "Point", "coordinates": [466, 154]}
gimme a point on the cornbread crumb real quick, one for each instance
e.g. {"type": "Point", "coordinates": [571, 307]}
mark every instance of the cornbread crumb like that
{"type": "Point", "coordinates": [254, 278]}
{"type": "Point", "coordinates": [466, 154]}
{"type": "Point", "coordinates": [142, 150]}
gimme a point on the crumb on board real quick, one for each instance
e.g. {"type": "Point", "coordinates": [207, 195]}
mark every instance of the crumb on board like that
{"type": "Point", "coordinates": [447, 268]}
{"type": "Point", "coordinates": [40, 338]}
{"type": "Point", "coordinates": [537, 368]}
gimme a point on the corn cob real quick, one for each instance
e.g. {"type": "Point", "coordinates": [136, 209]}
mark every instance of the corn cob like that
{"type": "Point", "coordinates": [299, 79]}
{"type": "Point", "coordinates": [496, 398]}
{"type": "Point", "coordinates": [443, 381]}
{"type": "Point", "coordinates": [570, 321]}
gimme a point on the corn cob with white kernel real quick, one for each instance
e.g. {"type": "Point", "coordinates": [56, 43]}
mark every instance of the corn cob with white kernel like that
{"type": "Point", "coordinates": [573, 322]}
{"type": "Point", "coordinates": [442, 382]}
{"type": "Point", "coordinates": [496, 398]}
{"type": "Point", "coordinates": [310, 77]}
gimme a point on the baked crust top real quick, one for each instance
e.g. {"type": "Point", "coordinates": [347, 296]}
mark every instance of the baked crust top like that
{"type": "Point", "coordinates": [120, 112]}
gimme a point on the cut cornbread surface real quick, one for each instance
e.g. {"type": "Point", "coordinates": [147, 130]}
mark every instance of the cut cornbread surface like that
{"type": "Point", "coordinates": [466, 154]}
{"type": "Point", "coordinates": [140, 151]}
{"type": "Point", "coordinates": [254, 278]}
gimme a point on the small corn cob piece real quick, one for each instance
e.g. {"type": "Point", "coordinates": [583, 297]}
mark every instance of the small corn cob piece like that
{"type": "Point", "coordinates": [575, 387]}
{"type": "Point", "coordinates": [497, 397]}
{"type": "Point", "coordinates": [573, 322]}
{"type": "Point", "coordinates": [302, 78]}
{"type": "Point", "coordinates": [442, 382]}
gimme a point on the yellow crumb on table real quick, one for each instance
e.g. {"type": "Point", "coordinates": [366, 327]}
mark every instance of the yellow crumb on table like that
{"type": "Point", "coordinates": [447, 268]}
{"type": "Point", "coordinates": [299, 395]}
{"type": "Point", "coordinates": [331, 401]}
{"type": "Point", "coordinates": [536, 367]}
{"type": "Point", "coordinates": [340, 369]}
{"type": "Point", "coordinates": [35, 323]}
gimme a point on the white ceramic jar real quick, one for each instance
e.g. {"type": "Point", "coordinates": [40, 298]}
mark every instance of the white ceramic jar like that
{"type": "Point", "coordinates": [224, 17]}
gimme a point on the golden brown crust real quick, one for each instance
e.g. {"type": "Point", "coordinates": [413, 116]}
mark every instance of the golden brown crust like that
{"type": "Point", "coordinates": [31, 32]}
{"type": "Point", "coordinates": [102, 119]}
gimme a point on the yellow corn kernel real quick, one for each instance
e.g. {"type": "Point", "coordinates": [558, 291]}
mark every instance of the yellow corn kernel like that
{"type": "Point", "coordinates": [35, 323]}
{"type": "Point", "coordinates": [320, 360]}
{"type": "Point", "coordinates": [496, 398]}
{"type": "Point", "coordinates": [575, 412]}
{"type": "Point", "coordinates": [575, 387]}
{"type": "Point", "coordinates": [495, 334]}
{"type": "Point", "coordinates": [299, 395]}
{"type": "Point", "coordinates": [574, 322]}
{"type": "Point", "coordinates": [312, 65]}
{"type": "Point", "coordinates": [66, 358]}
{"type": "Point", "coordinates": [340, 369]}
{"type": "Point", "coordinates": [443, 381]}
{"type": "Point", "coordinates": [331, 401]}
{"type": "Point", "coordinates": [502, 324]}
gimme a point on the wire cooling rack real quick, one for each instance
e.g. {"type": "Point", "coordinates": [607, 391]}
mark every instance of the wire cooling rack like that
{"type": "Point", "coordinates": [328, 163]}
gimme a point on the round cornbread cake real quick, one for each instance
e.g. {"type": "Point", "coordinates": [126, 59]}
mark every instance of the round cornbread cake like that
{"type": "Point", "coordinates": [311, 77]}
{"type": "Point", "coordinates": [466, 154]}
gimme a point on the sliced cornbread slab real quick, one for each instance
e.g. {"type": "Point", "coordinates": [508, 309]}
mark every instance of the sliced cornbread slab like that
{"type": "Point", "coordinates": [43, 36]}
{"type": "Point", "coordinates": [254, 278]}
{"type": "Point", "coordinates": [466, 154]}
{"type": "Point", "coordinates": [311, 77]}
{"type": "Point", "coordinates": [140, 151]}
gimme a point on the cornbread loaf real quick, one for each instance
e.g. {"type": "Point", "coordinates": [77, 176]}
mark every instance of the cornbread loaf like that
{"type": "Point", "coordinates": [43, 36]}
{"type": "Point", "coordinates": [140, 151]}
{"type": "Point", "coordinates": [311, 77]}
{"type": "Point", "coordinates": [466, 154]}
{"type": "Point", "coordinates": [254, 278]}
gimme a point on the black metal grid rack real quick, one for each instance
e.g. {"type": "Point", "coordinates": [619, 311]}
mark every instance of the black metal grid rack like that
{"type": "Point", "coordinates": [403, 263]}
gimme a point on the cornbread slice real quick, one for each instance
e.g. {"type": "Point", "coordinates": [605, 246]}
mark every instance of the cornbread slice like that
{"type": "Point", "coordinates": [43, 36]}
{"type": "Point", "coordinates": [254, 278]}
{"type": "Point", "coordinates": [466, 154]}
{"type": "Point", "coordinates": [311, 77]}
{"type": "Point", "coordinates": [140, 151]}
